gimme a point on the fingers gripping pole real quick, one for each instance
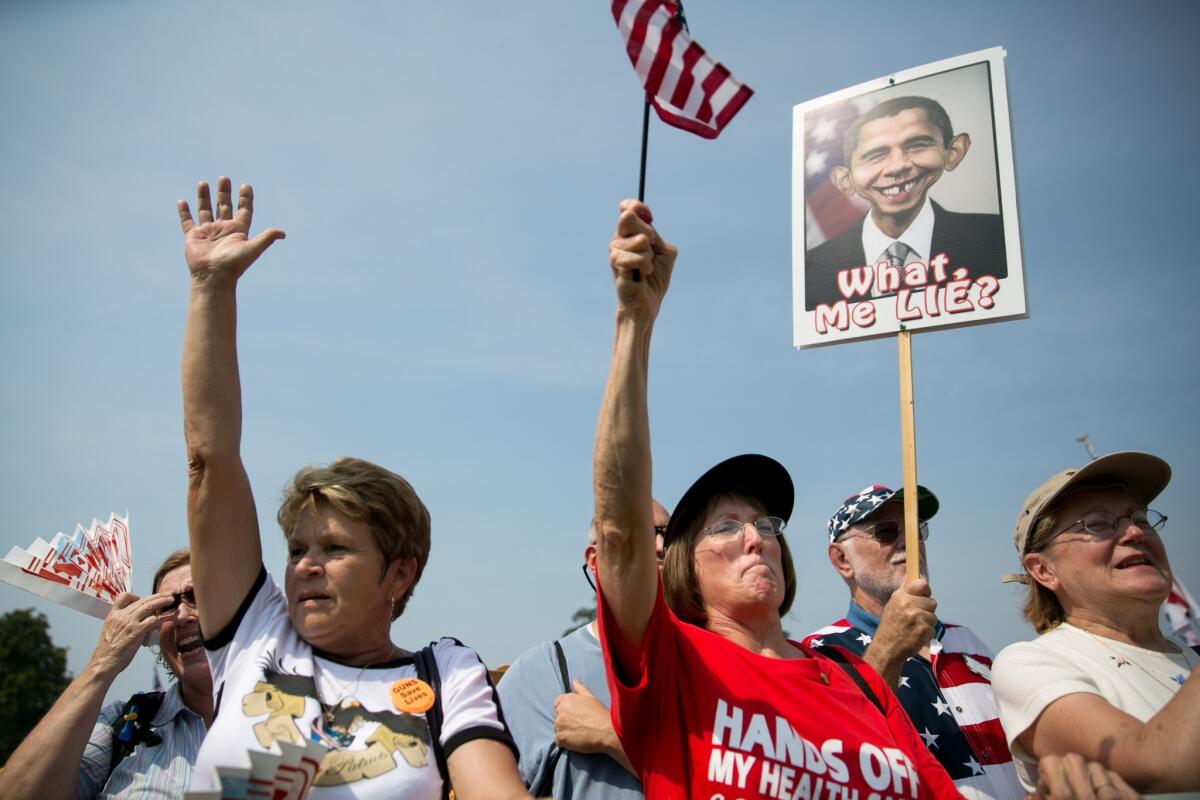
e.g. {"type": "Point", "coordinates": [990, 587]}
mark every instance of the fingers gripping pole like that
{"type": "Point", "coordinates": [908, 452]}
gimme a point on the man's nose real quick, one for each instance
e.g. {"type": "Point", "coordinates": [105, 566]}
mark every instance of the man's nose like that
{"type": "Point", "coordinates": [897, 161]}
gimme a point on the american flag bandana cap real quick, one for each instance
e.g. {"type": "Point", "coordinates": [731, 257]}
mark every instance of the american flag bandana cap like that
{"type": "Point", "coordinates": [866, 502]}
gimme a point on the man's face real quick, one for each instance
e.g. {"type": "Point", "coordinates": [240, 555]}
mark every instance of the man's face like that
{"type": "Point", "coordinates": [661, 518]}
{"type": "Point", "coordinates": [897, 160]}
{"type": "Point", "coordinates": [879, 569]}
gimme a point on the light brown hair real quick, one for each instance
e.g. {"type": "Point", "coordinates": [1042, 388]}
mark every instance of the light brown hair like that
{"type": "Point", "coordinates": [180, 558]}
{"type": "Point", "coordinates": [365, 492]}
{"type": "Point", "coordinates": [681, 587]}
{"type": "Point", "coordinates": [1041, 608]}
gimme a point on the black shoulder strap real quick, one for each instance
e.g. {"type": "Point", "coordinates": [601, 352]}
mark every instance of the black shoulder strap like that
{"type": "Point", "coordinates": [427, 670]}
{"type": "Point", "coordinates": [132, 726]}
{"type": "Point", "coordinates": [545, 787]}
{"type": "Point", "coordinates": [835, 655]}
{"type": "Point", "coordinates": [563, 673]}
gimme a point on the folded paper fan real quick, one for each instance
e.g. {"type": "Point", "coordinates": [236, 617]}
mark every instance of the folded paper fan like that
{"type": "Point", "coordinates": [84, 571]}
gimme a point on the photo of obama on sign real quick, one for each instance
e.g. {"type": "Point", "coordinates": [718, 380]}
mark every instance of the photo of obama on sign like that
{"type": "Point", "coordinates": [900, 190]}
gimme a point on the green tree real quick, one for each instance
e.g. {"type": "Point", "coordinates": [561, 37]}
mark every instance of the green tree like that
{"type": "Point", "coordinates": [34, 674]}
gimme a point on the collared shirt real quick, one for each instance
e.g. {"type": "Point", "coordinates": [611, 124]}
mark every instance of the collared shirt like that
{"type": "Point", "coordinates": [163, 770]}
{"type": "Point", "coordinates": [949, 700]}
{"type": "Point", "coordinates": [918, 237]}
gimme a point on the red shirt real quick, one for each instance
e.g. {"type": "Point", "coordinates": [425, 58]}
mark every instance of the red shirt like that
{"type": "Point", "coordinates": [707, 719]}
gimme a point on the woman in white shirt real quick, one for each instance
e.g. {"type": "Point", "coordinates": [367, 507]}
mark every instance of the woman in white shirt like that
{"type": "Point", "coordinates": [1101, 680]}
{"type": "Point", "coordinates": [314, 661]}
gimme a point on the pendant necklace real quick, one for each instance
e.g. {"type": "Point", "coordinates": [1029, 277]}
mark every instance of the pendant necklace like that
{"type": "Point", "coordinates": [1120, 659]}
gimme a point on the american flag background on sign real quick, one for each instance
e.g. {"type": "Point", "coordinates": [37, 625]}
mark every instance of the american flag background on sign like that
{"type": "Point", "coordinates": [828, 212]}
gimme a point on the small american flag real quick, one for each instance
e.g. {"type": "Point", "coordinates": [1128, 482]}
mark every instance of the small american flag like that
{"type": "Point", "coordinates": [688, 88]}
{"type": "Point", "coordinates": [1182, 614]}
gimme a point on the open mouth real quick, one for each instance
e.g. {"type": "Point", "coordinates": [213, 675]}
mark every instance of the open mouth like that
{"type": "Point", "coordinates": [189, 643]}
{"type": "Point", "coordinates": [312, 597]}
{"type": "Point", "coordinates": [1134, 561]}
{"type": "Point", "coordinates": [898, 191]}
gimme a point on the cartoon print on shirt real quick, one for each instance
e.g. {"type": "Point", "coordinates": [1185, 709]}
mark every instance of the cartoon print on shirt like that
{"type": "Point", "coordinates": [282, 697]}
{"type": "Point", "coordinates": [404, 734]}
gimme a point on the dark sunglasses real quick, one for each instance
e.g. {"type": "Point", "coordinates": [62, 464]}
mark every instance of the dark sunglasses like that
{"type": "Point", "coordinates": [187, 596]}
{"type": "Point", "coordinates": [887, 532]}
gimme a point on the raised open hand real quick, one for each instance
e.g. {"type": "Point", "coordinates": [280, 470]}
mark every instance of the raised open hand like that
{"type": "Point", "coordinates": [219, 248]}
{"type": "Point", "coordinates": [641, 262]}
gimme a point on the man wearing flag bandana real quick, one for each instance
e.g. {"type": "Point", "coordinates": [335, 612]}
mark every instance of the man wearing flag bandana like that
{"type": "Point", "coordinates": [940, 672]}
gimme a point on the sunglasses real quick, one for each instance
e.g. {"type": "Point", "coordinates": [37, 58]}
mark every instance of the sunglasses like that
{"type": "Point", "coordinates": [187, 596]}
{"type": "Point", "coordinates": [887, 532]}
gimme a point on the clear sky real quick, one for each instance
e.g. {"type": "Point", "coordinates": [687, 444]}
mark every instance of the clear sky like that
{"type": "Point", "coordinates": [448, 176]}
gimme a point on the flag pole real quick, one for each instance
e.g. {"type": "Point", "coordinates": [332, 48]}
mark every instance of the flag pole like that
{"type": "Point", "coordinates": [908, 451]}
{"type": "Point", "coordinates": [637, 274]}
{"type": "Point", "coordinates": [645, 139]}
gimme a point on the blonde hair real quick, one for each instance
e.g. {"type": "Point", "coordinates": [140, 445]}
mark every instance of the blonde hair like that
{"type": "Point", "coordinates": [681, 587]}
{"type": "Point", "coordinates": [365, 492]}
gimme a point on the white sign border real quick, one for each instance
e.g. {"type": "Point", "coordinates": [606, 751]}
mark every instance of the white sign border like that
{"type": "Point", "coordinates": [1014, 302]}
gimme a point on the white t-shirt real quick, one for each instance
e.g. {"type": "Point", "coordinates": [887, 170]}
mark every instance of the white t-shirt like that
{"type": "Point", "coordinates": [1028, 676]}
{"type": "Point", "coordinates": [263, 679]}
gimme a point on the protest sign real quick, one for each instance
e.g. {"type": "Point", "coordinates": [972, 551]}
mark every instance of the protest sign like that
{"type": "Point", "coordinates": [904, 208]}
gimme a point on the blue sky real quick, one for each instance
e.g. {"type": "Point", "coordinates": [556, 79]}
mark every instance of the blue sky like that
{"type": "Point", "coordinates": [448, 178]}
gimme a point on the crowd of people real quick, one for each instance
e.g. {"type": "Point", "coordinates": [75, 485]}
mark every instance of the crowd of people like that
{"type": "Point", "coordinates": [685, 686]}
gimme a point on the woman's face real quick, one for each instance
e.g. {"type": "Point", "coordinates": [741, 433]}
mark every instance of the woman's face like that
{"type": "Point", "coordinates": [179, 637]}
{"type": "Point", "coordinates": [339, 594]}
{"type": "Point", "coordinates": [1103, 573]}
{"type": "Point", "coordinates": [740, 576]}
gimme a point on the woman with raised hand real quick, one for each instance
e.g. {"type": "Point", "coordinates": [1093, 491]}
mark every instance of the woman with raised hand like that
{"type": "Point", "coordinates": [314, 661]}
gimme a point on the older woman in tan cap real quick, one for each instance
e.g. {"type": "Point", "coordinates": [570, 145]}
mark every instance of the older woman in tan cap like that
{"type": "Point", "coordinates": [1101, 679]}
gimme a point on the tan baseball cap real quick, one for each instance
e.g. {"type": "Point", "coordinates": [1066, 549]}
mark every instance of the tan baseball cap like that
{"type": "Point", "coordinates": [1147, 475]}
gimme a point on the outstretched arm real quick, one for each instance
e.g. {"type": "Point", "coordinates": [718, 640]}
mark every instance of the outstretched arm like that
{"type": "Point", "coordinates": [641, 266]}
{"type": "Point", "coordinates": [222, 523]}
{"type": "Point", "coordinates": [1158, 755]}
{"type": "Point", "coordinates": [38, 768]}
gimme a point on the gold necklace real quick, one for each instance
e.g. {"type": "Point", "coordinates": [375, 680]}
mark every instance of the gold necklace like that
{"type": "Point", "coordinates": [330, 711]}
{"type": "Point", "coordinates": [1120, 659]}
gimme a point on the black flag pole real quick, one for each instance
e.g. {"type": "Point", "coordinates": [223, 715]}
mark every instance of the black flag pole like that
{"type": "Point", "coordinates": [636, 275]}
{"type": "Point", "coordinates": [645, 139]}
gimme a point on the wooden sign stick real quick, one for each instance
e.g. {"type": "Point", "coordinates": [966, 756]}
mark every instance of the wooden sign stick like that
{"type": "Point", "coordinates": [908, 452]}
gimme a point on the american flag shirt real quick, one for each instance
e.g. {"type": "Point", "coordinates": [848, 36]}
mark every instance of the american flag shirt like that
{"type": "Point", "coordinates": [949, 700]}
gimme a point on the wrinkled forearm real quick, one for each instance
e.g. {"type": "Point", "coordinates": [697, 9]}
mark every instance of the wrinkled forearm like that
{"type": "Point", "coordinates": [622, 480]}
{"type": "Point", "coordinates": [212, 404]}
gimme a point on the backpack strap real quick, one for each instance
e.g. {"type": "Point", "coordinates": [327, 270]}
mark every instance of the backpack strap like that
{"type": "Point", "coordinates": [545, 787]}
{"type": "Point", "coordinates": [835, 655]}
{"type": "Point", "coordinates": [132, 726]}
{"type": "Point", "coordinates": [427, 670]}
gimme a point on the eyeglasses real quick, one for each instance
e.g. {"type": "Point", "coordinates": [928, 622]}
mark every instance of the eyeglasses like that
{"type": "Point", "coordinates": [766, 526]}
{"type": "Point", "coordinates": [1106, 525]}
{"type": "Point", "coordinates": [660, 530]}
{"type": "Point", "coordinates": [888, 531]}
{"type": "Point", "coordinates": [187, 596]}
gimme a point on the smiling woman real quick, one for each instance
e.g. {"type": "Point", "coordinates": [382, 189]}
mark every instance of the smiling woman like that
{"type": "Point", "coordinates": [141, 747]}
{"type": "Point", "coordinates": [1102, 680]}
{"type": "Point", "coordinates": [315, 661]}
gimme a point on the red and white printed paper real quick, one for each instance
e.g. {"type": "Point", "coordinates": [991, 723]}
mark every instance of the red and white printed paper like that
{"type": "Point", "coordinates": [84, 571]}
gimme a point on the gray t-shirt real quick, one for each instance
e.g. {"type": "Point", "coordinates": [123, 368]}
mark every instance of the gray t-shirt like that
{"type": "Point", "coordinates": [527, 694]}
